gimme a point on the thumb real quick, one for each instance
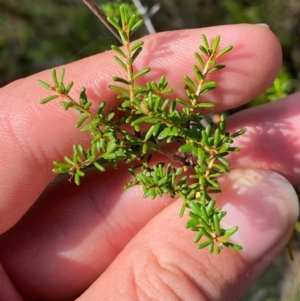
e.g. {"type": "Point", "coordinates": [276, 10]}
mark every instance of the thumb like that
{"type": "Point", "coordinates": [162, 263]}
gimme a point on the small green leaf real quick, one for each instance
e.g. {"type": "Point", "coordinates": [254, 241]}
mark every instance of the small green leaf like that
{"type": "Point", "coordinates": [204, 50]}
{"type": "Point", "coordinates": [233, 246]}
{"type": "Point", "coordinates": [118, 50]}
{"type": "Point", "coordinates": [139, 120]}
{"type": "Point", "coordinates": [138, 24]}
{"type": "Point", "coordinates": [121, 63]}
{"type": "Point", "coordinates": [121, 80]}
{"type": "Point", "coordinates": [205, 42]}
{"type": "Point", "coordinates": [98, 166]}
{"type": "Point", "coordinates": [136, 45]}
{"type": "Point", "coordinates": [230, 232]}
{"type": "Point", "coordinates": [216, 224]}
{"type": "Point", "coordinates": [205, 244]}
{"type": "Point", "coordinates": [190, 83]}
{"type": "Point", "coordinates": [131, 22]}
{"type": "Point", "coordinates": [216, 68]}
{"type": "Point", "coordinates": [215, 43]}
{"type": "Point", "coordinates": [119, 89]}
{"type": "Point", "coordinates": [198, 237]}
{"type": "Point", "coordinates": [204, 105]}
{"type": "Point", "coordinates": [69, 86]}
{"type": "Point", "coordinates": [207, 87]}
{"type": "Point", "coordinates": [216, 137]}
{"type": "Point", "coordinates": [224, 51]}
{"type": "Point", "coordinates": [198, 73]}
{"type": "Point", "coordinates": [238, 133]}
{"type": "Point", "coordinates": [149, 132]}
{"type": "Point", "coordinates": [199, 59]}
{"type": "Point", "coordinates": [186, 147]}
{"type": "Point", "coordinates": [54, 77]}
{"type": "Point", "coordinates": [114, 24]}
{"type": "Point", "coordinates": [135, 54]}
{"type": "Point", "coordinates": [82, 120]}
{"type": "Point", "coordinates": [49, 98]}
{"type": "Point", "coordinates": [124, 15]}
{"type": "Point", "coordinates": [43, 84]}
{"type": "Point", "coordinates": [61, 76]}
{"type": "Point", "coordinates": [144, 148]}
{"type": "Point", "coordinates": [224, 161]}
{"type": "Point", "coordinates": [140, 73]}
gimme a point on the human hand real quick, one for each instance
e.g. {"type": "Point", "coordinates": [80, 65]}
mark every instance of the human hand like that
{"type": "Point", "coordinates": [109, 244]}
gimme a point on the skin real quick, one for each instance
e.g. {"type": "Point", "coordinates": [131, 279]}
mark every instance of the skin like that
{"type": "Point", "coordinates": [99, 242]}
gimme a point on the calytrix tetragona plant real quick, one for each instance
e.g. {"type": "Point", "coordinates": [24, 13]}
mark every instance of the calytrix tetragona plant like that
{"type": "Point", "coordinates": [148, 123]}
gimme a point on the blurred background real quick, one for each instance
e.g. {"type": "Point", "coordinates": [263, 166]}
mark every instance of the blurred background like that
{"type": "Point", "coordinates": [37, 35]}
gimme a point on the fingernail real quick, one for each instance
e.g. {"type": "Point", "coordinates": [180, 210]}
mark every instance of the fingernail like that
{"type": "Point", "coordinates": [263, 25]}
{"type": "Point", "coordinates": [264, 206]}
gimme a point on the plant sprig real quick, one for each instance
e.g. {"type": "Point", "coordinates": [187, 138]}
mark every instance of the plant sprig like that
{"type": "Point", "coordinates": [149, 122]}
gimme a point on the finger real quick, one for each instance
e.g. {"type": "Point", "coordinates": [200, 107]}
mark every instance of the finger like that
{"type": "Point", "coordinates": [81, 231]}
{"type": "Point", "coordinates": [74, 231]}
{"type": "Point", "coordinates": [34, 135]}
{"type": "Point", "coordinates": [272, 136]}
{"type": "Point", "coordinates": [160, 263]}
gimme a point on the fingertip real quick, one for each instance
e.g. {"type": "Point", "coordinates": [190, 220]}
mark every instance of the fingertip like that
{"type": "Point", "coordinates": [264, 206]}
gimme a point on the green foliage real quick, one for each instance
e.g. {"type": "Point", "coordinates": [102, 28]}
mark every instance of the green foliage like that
{"type": "Point", "coordinates": [150, 122]}
{"type": "Point", "coordinates": [112, 8]}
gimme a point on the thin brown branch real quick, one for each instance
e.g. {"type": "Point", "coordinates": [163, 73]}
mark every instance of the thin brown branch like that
{"type": "Point", "coordinates": [102, 17]}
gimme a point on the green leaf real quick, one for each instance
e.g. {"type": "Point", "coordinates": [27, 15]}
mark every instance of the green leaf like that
{"type": "Point", "coordinates": [190, 83]}
{"type": "Point", "coordinates": [199, 59]}
{"type": "Point", "coordinates": [121, 80]}
{"type": "Point", "coordinates": [124, 15]}
{"type": "Point", "coordinates": [137, 45]}
{"type": "Point", "coordinates": [204, 50]}
{"type": "Point", "coordinates": [43, 84]}
{"type": "Point", "coordinates": [233, 246]}
{"type": "Point", "coordinates": [118, 50]}
{"type": "Point", "coordinates": [204, 105]}
{"type": "Point", "coordinates": [138, 24]}
{"type": "Point", "coordinates": [98, 166]}
{"type": "Point", "coordinates": [49, 98]}
{"type": "Point", "coordinates": [115, 24]}
{"type": "Point", "coordinates": [54, 77]}
{"type": "Point", "coordinates": [135, 55]}
{"type": "Point", "coordinates": [131, 22]}
{"type": "Point", "coordinates": [82, 97]}
{"type": "Point", "coordinates": [186, 147]}
{"type": "Point", "coordinates": [224, 161]}
{"type": "Point", "coordinates": [205, 244]}
{"type": "Point", "coordinates": [149, 132]}
{"type": "Point", "coordinates": [139, 120]}
{"type": "Point", "coordinates": [69, 86]}
{"type": "Point", "coordinates": [216, 68]}
{"type": "Point", "coordinates": [216, 137]}
{"type": "Point", "coordinates": [121, 63]}
{"type": "Point", "coordinates": [205, 42]}
{"type": "Point", "coordinates": [119, 89]}
{"type": "Point", "coordinates": [230, 232]}
{"type": "Point", "coordinates": [198, 73]}
{"type": "Point", "coordinates": [224, 51]}
{"type": "Point", "coordinates": [81, 121]}
{"type": "Point", "coordinates": [61, 76]}
{"type": "Point", "coordinates": [208, 86]}
{"type": "Point", "coordinates": [216, 224]}
{"type": "Point", "coordinates": [215, 43]}
{"type": "Point", "coordinates": [140, 73]}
